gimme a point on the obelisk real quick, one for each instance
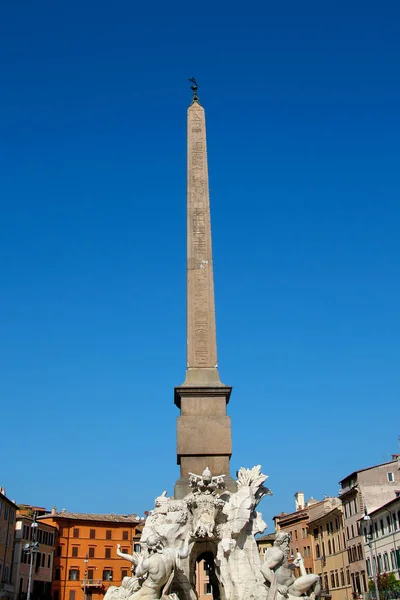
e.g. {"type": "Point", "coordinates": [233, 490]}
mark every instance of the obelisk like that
{"type": "Point", "coordinates": [203, 430]}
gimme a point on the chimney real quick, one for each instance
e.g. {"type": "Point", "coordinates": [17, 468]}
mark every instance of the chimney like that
{"type": "Point", "coordinates": [299, 500]}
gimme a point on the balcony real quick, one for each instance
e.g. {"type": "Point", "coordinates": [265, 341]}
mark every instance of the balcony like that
{"type": "Point", "coordinates": [92, 583]}
{"type": "Point", "coordinates": [6, 590]}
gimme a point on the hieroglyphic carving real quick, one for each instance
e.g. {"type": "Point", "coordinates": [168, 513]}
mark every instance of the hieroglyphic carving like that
{"type": "Point", "coordinates": [201, 316]}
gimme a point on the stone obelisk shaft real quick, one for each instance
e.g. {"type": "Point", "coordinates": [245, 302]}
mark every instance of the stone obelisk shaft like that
{"type": "Point", "coordinates": [203, 429]}
{"type": "Point", "coordinates": [201, 333]}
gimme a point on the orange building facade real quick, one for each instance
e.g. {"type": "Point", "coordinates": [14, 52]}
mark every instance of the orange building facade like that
{"type": "Point", "coordinates": [85, 559]}
{"type": "Point", "coordinates": [8, 511]}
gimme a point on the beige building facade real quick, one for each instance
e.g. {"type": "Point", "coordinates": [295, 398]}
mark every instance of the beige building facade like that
{"type": "Point", "coordinates": [326, 525]}
{"type": "Point", "coordinates": [365, 490]}
{"type": "Point", "coordinates": [381, 531]}
{"type": "Point", "coordinates": [264, 543]}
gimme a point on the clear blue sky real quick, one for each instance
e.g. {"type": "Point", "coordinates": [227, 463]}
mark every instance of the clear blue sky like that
{"type": "Point", "coordinates": [303, 138]}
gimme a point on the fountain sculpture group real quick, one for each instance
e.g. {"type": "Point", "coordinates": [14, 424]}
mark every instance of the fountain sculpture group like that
{"type": "Point", "coordinates": [213, 520]}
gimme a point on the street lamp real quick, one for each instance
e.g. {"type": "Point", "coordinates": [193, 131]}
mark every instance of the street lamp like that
{"type": "Point", "coordinates": [370, 536]}
{"type": "Point", "coordinates": [31, 548]}
{"type": "Point", "coordinates": [85, 575]}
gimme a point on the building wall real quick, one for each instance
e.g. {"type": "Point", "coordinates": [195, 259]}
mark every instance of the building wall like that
{"type": "Point", "coordinates": [330, 555]}
{"type": "Point", "coordinates": [203, 584]}
{"type": "Point", "coordinates": [79, 540]}
{"type": "Point", "coordinates": [7, 523]}
{"type": "Point", "coordinates": [264, 543]}
{"type": "Point", "coordinates": [362, 490]}
{"type": "Point", "coordinates": [383, 546]}
{"type": "Point", "coordinates": [296, 524]}
{"type": "Point", "coordinates": [42, 560]}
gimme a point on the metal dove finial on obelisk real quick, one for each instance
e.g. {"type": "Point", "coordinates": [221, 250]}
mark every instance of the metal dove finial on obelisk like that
{"type": "Point", "coordinates": [194, 89]}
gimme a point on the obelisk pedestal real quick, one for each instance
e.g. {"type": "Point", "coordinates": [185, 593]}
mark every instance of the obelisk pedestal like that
{"type": "Point", "coordinates": [204, 430]}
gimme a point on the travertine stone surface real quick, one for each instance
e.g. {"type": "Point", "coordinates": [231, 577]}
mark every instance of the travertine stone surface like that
{"type": "Point", "coordinates": [204, 435]}
{"type": "Point", "coordinates": [201, 335]}
{"type": "Point", "coordinates": [203, 429]}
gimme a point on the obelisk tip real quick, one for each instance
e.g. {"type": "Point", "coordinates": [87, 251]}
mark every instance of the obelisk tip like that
{"type": "Point", "coordinates": [194, 89]}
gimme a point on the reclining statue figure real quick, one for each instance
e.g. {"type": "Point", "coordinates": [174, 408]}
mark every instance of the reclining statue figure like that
{"type": "Point", "coordinates": [279, 573]}
{"type": "Point", "coordinates": [153, 574]}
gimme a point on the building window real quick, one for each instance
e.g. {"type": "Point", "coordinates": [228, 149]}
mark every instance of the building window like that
{"type": "Point", "coordinates": [393, 560]}
{"type": "Point", "coordinates": [379, 563]}
{"type": "Point", "coordinates": [295, 534]}
{"type": "Point", "coordinates": [333, 546]}
{"type": "Point", "coordinates": [390, 476]}
{"type": "Point", "coordinates": [107, 554]}
{"type": "Point", "coordinates": [317, 551]}
{"type": "Point", "coordinates": [389, 527]}
{"type": "Point", "coordinates": [360, 552]}
{"type": "Point", "coordinates": [342, 577]}
{"type": "Point", "coordinates": [56, 595]}
{"type": "Point", "coordinates": [74, 551]}
{"type": "Point", "coordinates": [332, 581]}
{"type": "Point", "coordinates": [337, 579]}
{"type": "Point", "coordinates": [107, 575]}
{"type": "Point", "coordinates": [369, 573]}
{"type": "Point", "coordinates": [73, 575]}
{"type": "Point", "coordinates": [124, 573]}
{"type": "Point", "coordinates": [58, 575]}
{"type": "Point", "coordinates": [329, 547]}
{"type": "Point", "coordinates": [43, 559]}
{"type": "Point", "coordinates": [59, 550]}
{"type": "Point", "coordinates": [386, 561]}
{"type": "Point", "coordinates": [91, 552]}
{"type": "Point", "coordinates": [90, 574]}
{"type": "Point", "coordinates": [348, 576]}
{"type": "Point", "coordinates": [92, 534]}
{"type": "Point", "coordinates": [108, 534]}
{"type": "Point", "coordinates": [125, 535]}
{"type": "Point", "coordinates": [137, 547]}
{"type": "Point", "coordinates": [71, 594]}
{"type": "Point", "coordinates": [75, 532]}
{"type": "Point", "coordinates": [51, 539]}
{"type": "Point", "coordinates": [48, 561]}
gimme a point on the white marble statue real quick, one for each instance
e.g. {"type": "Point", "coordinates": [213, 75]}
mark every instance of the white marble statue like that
{"type": "Point", "coordinates": [279, 574]}
{"type": "Point", "coordinates": [211, 520]}
{"type": "Point", "coordinates": [153, 573]}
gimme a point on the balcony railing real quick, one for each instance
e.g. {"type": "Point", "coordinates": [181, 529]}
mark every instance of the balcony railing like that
{"type": "Point", "coordinates": [92, 583]}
